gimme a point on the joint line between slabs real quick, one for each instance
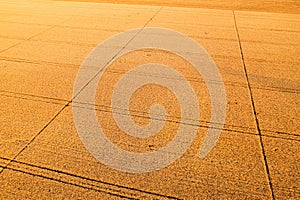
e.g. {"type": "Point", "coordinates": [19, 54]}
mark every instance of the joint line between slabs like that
{"type": "Point", "coordinates": [25, 170]}
{"type": "Point", "coordinates": [254, 108]}
{"type": "Point", "coordinates": [111, 59]}
{"type": "Point", "coordinates": [51, 120]}
{"type": "Point", "coordinates": [33, 36]}
{"type": "Point", "coordinates": [34, 137]}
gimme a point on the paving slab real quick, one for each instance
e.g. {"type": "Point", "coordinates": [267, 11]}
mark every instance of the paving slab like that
{"type": "Point", "coordinates": [238, 107]}
{"type": "Point", "coordinates": [281, 6]}
{"type": "Point", "coordinates": [79, 36]}
{"type": "Point", "coordinates": [90, 9]}
{"type": "Point", "coordinates": [271, 58]}
{"type": "Point", "coordinates": [14, 9]}
{"type": "Point", "coordinates": [222, 18]}
{"type": "Point", "coordinates": [209, 28]}
{"type": "Point", "coordinates": [22, 118]}
{"type": "Point", "coordinates": [105, 24]}
{"type": "Point", "coordinates": [6, 43]}
{"type": "Point", "coordinates": [276, 53]}
{"type": "Point", "coordinates": [280, 77]}
{"type": "Point", "coordinates": [285, 175]}
{"type": "Point", "coordinates": [59, 148]}
{"type": "Point", "coordinates": [278, 112]}
{"type": "Point", "coordinates": [268, 21]}
{"type": "Point", "coordinates": [269, 36]}
{"type": "Point", "coordinates": [24, 184]}
{"type": "Point", "coordinates": [12, 30]}
{"type": "Point", "coordinates": [39, 79]}
{"type": "Point", "coordinates": [271, 64]}
{"type": "Point", "coordinates": [58, 53]}
{"type": "Point", "coordinates": [42, 155]}
{"type": "Point", "coordinates": [110, 17]}
{"type": "Point", "coordinates": [31, 17]}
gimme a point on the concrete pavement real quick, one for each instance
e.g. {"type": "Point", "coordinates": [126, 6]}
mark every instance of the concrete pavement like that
{"type": "Point", "coordinates": [42, 47]}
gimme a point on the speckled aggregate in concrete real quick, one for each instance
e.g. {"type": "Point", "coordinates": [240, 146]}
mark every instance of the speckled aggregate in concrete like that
{"type": "Point", "coordinates": [42, 46]}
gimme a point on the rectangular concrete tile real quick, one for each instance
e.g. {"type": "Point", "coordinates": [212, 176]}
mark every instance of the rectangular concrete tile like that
{"type": "Point", "coordinates": [209, 29]}
{"type": "Point", "coordinates": [233, 169]}
{"type": "Point", "coordinates": [239, 117]}
{"type": "Point", "coordinates": [32, 15]}
{"type": "Point", "coordinates": [27, 185]}
{"type": "Point", "coordinates": [210, 17]}
{"type": "Point", "coordinates": [271, 55]}
{"type": "Point", "coordinates": [64, 8]}
{"type": "Point", "coordinates": [56, 8]}
{"type": "Point", "coordinates": [109, 9]}
{"type": "Point", "coordinates": [22, 117]}
{"type": "Point", "coordinates": [283, 159]}
{"type": "Point", "coordinates": [37, 8]}
{"type": "Point", "coordinates": [278, 112]}
{"type": "Point", "coordinates": [274, 39]}
{"type": "Point", "coordinates": [276, 53]}
{"type": "Point", "coordinates": [6, 43]}
{"type": "Point", "coordinates": [268, 21]}
{"type": "Point", "coordinates": [106, 23]}
{"type": "Point", "coordinates": [279, 6]}
{"type": "Point", "coordinates": [35, 19]}
{"type": "Point", "coordinates": [269, 36]}
{"type": "Point", "coordinates": [121, 18]}
{"type": "Point", "coordinates": [46, 80]}
{"type": "Point", "coordinates": [282, 77]}
{"type": "Point", "coordinates": [14, 30]}
{"type": "Point", "coordinates": [202, 31]}
{"type": "Point", "coordinates": [239, 111]}
{"type": "Point", "coordinates": [53, 52]}
{"type": "Point", "coordinates": [220, 48]}
{"type": "Point", "coordinates": [231, 69]}
{"type": "Point", "coordinates": [8, 7]}
{"type": "Point", "coordinates": [90, 37]}
{"type": "Point", "coordinates": [214, 47]}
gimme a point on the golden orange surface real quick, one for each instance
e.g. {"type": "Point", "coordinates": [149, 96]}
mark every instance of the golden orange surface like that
{"type": "Point", "coordinates": [255, 45]}
{"type": "Point", "coordinates": [282, 6]}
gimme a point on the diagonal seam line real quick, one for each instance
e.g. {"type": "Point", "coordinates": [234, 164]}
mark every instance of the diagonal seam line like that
{"type": "Point", "coordinates": [69, 102]}
{"type": "Point", "coordinates": [254, 109]}
{"type": "Point", "coordinates": [51, 120]}
{"type": "Point", "coordinates": [84, 86]}
{"type": "Point", "coordinates": [33, 36]}
{"type": "Point", "coordinates": [34, 137]}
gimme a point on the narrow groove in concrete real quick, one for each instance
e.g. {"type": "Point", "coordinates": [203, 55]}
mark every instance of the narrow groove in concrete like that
{"type": "Point", "coordinates": [35, 136]}
{"type": "Point", "coordinates": [114, 56]}
{"type": "Point", "coordinates": [103, 108]}
{"type": "Point", "coordinates": [254, 110]}
{"type": "Point", "coordinates": [29, 38]}
{"type": "Point", "coordinates": [28, 168]}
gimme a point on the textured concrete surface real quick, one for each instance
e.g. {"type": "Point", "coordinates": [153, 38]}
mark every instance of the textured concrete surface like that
{"type": "Point", "coordinates": [43, 44]}
{"type": "Point", "coordinates": [283, 6]}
